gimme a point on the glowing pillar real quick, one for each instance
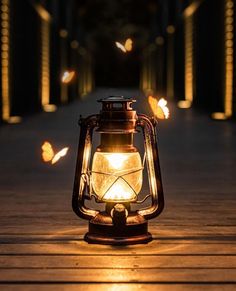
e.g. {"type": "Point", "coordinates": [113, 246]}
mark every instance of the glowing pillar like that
{"type": "Point", "coordinates": [228, 98]}
{"type": "Point", "coordinates": [5, 59]}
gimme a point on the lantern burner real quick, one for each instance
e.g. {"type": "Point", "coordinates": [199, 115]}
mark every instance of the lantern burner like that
{"type": "Point", "coordinates": [118, 227]}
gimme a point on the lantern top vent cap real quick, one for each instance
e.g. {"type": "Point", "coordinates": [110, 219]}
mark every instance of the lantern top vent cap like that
{"type": "Point", "coordinates": [117, 99]}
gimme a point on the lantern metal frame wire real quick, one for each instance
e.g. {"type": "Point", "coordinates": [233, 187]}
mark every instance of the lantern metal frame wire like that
{"type": "Point", "coordinates": [118, 225]}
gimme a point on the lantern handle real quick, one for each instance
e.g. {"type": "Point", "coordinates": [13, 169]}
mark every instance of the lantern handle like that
{"type": "Point", "coordinates": [153, 167]}
{"type": "Point", "coordinates": [87, 126]}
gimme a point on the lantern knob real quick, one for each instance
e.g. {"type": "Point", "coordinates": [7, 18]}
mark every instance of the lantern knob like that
{"type": "Point", "coordinates": [119, 214]}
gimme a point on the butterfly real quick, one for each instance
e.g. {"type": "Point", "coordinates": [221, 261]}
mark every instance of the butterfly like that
{"type": "Point", "coordinates": [48, 154]}
{"type": "Point", "coordinates": [159, 108]}
{"type": "Point", "coordinates": [67, 76]}
{"type": "Point", "coordinates": [127, 46]}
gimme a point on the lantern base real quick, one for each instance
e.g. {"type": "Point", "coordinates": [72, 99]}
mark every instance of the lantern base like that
{"type": "Point", "coordinates": [103, 231]}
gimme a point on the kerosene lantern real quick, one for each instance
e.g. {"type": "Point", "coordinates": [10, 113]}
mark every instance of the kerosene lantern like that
{"type": "Point", "coordinates": [114, 174]}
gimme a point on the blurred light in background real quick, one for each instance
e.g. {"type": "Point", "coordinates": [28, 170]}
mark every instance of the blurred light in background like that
{"type": "Point", "coordinates": [74, 44]}
{"type": "Point", "coordinates": [192, 8]}
{"type": "Point", "coordinates": [45, 68]}
{"type": "Point", "coordinates": [228, 57]}
{"type": "Point", "coordinates": [189, 58]}
{"type": "Point", "coordinates": [229, 67]}
{"type": "Point", "coordinates": [5, 59]}
{"type": "Point", "coordinates": [45, 58]}
{"type": "Point", "coordinates": [159, 40]}
{"type": "Point", "coordinates": [219, 116]}
{"type": "Point", "coordinates": [170, 29]}
{"type": "Point", "coordinates": [184, 104]}
{"type": "Point", "coordinates": [188, 55]}
{"type": "Point", "coordinates": [49, 107]}
{"type": "Point", "coordinates": [63, 33]}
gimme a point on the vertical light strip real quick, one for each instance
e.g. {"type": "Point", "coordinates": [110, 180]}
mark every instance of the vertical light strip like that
{"type": "Point", "coordinates": [228, 98]}
{"type": "Point", "coordinates": [170, 61]}
{"type": "Point", "coordinates": [45, 57]}
{"type": "Point", "coordinates": [144, 74]}
{"type": "Point", "coordinates": [64, 65]}
{"type": "Point", "coordinates": [189, 59]}
{"type": "Point", "coordinates": [188, 14]}
{"type": "Point", "coordinates": [45, 69]}
{"type": "Point", "coordinates": [5, 59]}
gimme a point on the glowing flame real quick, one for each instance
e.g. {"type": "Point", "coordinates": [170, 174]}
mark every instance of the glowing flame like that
{"type": "Point", "coordinates": [159, 108]}
{"type": "Point", "coordinates": [67, 76]}
{"type": "Point", "coordinates": [126, 47]}
{"type": "Point", "coordinates": [119, 191]}
{"type": "Point", "coordinates": [116, 160]}
{"type": "Point", "coordinates": [48, 154]}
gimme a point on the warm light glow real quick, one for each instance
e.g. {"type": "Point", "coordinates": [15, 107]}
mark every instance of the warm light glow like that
{"type": "Point", "coordinates": [74, 44]}
{"type": "Point", "coordinates": [162, 104]}
{"type": "Point", "coordinates": [67, 76]}
{"type": "Point", "coordinates": [120, 46]}
{"type": "Point", "coordinates": [183, 104]}
{"type": "Point", "coordinates": [119, 192]}
{"type": "Point", "coordinates": [59, 155]}
{"type": "Point", "coordinates": [189, 59]}
{"type": "Point", "coordinates": [63, 33]}
{"type": "Point", "coordinates": [116, 160]}
{"type": "Point", "coordinates": [126, 47]}
{"type": "Point", "coordinates": [49, 107]}
{"type": "Point", "coordinates": [170, 29]}
{"type": "Point", "coordinates": [5, 32]}
{"type": "Point", "coordinates": [42, 12]}
{"type": "Point", "coordinates": [159, 40]}
{"type": "Point", "coordinates": [45, 63]}
{"type": "Point", "coordinates": [117, 176]}
{"type": "Point", "coordinates": [159, 108]}
{"type": "Point", "coordinates": [14, 119]}
{"type": "Point", "coordinates": [191, 9]}
{"type": "Point", "coordinates": [48, 154]}
{"type": "Point", "coordinates": [219, 116]}
{"type": "Point", "coordinates": [229, 43]}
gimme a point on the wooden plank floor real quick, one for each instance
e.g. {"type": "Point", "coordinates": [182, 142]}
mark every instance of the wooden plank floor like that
{"type": "Point", "coordinates": [194, 246]}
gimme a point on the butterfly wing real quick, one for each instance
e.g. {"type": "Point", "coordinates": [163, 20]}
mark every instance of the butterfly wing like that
{"type": "Point", "coordinates": [68, 76]}
{"type": "Point", "coordinates": [159, 113]}
{"type": "Point", "coordinates": [120, 46]}
{"type": "Point", "coordinates": [157, 107]}
{"type": "Point", "coordinates": [59, 155]}
{"type": "Point", "coordinates": [162, 104]}
{"type": "Point", "coordinates": [153, 104]}
{"type": "Point", "coordinates": [47, 152]}
{"type": "Point", "coordinates": [128, 44]}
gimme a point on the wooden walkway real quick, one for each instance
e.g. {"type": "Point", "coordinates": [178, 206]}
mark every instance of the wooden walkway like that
{"type": "Point", "coordinates": [194, 246]}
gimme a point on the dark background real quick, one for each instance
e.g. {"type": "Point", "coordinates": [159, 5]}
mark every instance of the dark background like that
{"type": "Point", "coordinates": [81, 36]}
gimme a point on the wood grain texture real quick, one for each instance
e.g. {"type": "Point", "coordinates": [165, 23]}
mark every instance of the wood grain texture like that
{"type": "Point", "coordinates": [119, 287]}
{"type": "Point", "coordinates": [192, 275]}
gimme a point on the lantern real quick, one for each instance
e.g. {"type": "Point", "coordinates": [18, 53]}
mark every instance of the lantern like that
{"type": "Point", "coordinates": [113, 176]}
